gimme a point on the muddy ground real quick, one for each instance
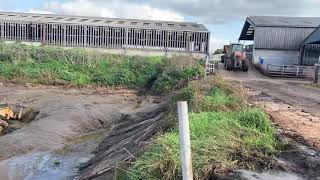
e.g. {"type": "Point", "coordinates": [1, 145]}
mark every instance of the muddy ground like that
{"type": "Point", "coordinates": [293, 105]}
{"type": "Point", "coordinates": [96, 128]}
{"type": "Point", "coordinates": [65, 116]}
{"type": "Point", "coordinates": [294, 108]}
{"type": "Point", "coordinates": [299, 131]}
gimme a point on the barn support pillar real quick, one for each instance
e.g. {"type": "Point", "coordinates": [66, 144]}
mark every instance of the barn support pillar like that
{"type": "Point", "coordinates": [126, 41]}
{"type": "Point", "coordinates": [2, 30]}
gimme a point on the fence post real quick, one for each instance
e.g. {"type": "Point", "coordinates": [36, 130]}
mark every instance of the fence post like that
{"type": "Point", "coordinates": [316, 73]}
{"type": "Point", "coordinates": [185, 143]}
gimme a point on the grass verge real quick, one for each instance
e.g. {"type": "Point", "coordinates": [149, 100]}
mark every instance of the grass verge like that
{"type": "Point", "coordinates": [225, 135]}
{"type": "Point", "coordinates": [78, 67]}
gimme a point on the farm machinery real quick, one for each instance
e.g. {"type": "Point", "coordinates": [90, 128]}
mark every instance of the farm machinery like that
{"type": "Point", "coordinates": [235, 57]}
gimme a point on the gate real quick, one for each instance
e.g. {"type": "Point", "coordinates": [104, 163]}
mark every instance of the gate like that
{"type": "Point", "coordinates": [210, 66]}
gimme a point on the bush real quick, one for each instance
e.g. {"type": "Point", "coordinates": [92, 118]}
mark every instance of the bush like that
{"type": "Point", "coordinates": [173, 78]}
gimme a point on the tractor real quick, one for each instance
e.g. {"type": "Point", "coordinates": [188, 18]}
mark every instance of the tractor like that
{"type": "Point", "coordinates": [235, 57]}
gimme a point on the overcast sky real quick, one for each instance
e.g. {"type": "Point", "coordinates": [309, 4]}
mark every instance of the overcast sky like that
{"type": "Point", "coordinates": [224, 18]}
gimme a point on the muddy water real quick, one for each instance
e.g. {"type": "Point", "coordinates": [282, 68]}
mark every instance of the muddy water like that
{"type": "Point", "coordinates": [42, 166]}
{"type": "Point", "coordinates": [61, 164]}
{"type": "Point", "coordinates": [268, 175]}
{"type": "Point", "coordinates": [297, 162]}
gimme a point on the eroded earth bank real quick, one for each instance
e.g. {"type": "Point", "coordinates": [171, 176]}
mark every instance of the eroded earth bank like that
{"type": "Point", "coordinates": [68, 127]}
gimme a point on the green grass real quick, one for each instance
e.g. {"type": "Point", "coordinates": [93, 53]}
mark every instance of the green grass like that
{"type": "Point", "coordinates": [221, 141]}
{"type": "Point", "coordinates": [57, 66]}
{"type": "Point", "coordinates": [218, 97]}
{"type": "Point", "coordinates": [225, 135]}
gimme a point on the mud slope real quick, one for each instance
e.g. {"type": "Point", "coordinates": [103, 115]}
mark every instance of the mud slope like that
{"type": "Point", "coordinates": [127, 139]}
{"type": "Point", "coordinates": [64, 114]}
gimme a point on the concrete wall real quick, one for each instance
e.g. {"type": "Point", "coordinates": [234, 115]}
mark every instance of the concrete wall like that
{"type": "Point", "coordinates": [129, 52]}
{"type": "Point", "coordinates": [138, 52]}
{"type": "Point", "coordinates": [276, 57]}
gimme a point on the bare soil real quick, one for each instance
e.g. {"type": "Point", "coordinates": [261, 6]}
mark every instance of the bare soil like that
{"type": "Point", "coordinates": [55, 142]}
{"type": "Point", "coordinates": [294, 122]}
{"type": "Point", "coordinates": [294, 108]}
{"type": "Point", "coordinates": [293, 105]}
{"type": "Point", "coordinates": [64, 114]}
{"type": "Point", "coordinates": [300, 131]}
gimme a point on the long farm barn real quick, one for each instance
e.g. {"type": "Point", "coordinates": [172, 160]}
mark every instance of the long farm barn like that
{"type": "Point", "coordinates": [107, 33]}
{"type": "Point", "coordinates": [283, 41]}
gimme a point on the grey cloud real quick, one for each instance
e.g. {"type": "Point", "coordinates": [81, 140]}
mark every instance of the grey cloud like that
{"type": "Point", "coordinates": [224, 11]}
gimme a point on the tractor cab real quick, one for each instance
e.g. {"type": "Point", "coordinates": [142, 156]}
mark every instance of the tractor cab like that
{"type": "Point", "coordinates": [237, 47]}
{"type": "Point", "coordinates": [235, 57]}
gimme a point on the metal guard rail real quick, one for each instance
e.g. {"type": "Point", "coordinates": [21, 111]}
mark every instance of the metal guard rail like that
{"type": "Point", "coordinates": [290, 70]}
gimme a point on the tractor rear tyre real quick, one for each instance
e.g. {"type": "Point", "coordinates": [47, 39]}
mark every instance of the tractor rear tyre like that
{"type": "Point", "coordinates": [223, 57]}
{"type": "Point", "coordinates": [229, 64]}
{"type": "Point", "coordinates": [245, 65]}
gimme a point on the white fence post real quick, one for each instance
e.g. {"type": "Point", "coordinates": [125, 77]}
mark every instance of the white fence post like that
{"type": "Point", "coordinates": [185, 143]}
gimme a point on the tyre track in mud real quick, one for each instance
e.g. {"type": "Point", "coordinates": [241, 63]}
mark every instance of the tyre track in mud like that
{"type": "Point", "coordinates": [294, 109]}
{"type": "Point", "coordinates": [295, 94]}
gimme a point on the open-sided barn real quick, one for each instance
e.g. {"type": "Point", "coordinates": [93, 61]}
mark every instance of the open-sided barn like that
{"type": "Point", "coordinates": [283, 40]}
{"type": "Point", "coordinates": [123, 35]}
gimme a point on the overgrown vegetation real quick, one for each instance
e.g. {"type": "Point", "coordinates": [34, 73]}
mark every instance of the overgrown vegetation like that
{"type": "Point", "coordinates": [316, 85]}
{"type": "Point", "coordinates": [58, 66]}
{"type": "Point", "coordinates": [226, 134]}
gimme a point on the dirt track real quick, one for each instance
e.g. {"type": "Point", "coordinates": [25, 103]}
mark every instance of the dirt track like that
{"type": "Point", "coordinates": [291, 91]}
{"type": "Point", "coordinates": [293, 106]}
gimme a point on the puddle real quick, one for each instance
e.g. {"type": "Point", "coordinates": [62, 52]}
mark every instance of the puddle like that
{"type": "Point", "coordinates": [43, 166]}
{"type": "Point", "coordinates": [268, 175]}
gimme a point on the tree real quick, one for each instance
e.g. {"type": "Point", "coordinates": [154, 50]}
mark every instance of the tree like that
{"type": "Point", "coordinates": [219, 51]}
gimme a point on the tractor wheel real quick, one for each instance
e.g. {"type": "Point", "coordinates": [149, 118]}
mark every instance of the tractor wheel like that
{"type": "Point", "coordinates": [245, 65]}
{"type": "Point", "coordinates": [223, 58]}
{"type": "Point", "coordinates": [225, 64]}
{"type": "Point", "coordinates": [229, 64]}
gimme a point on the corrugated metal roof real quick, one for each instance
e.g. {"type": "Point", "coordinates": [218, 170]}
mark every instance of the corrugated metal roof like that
{"type": "Point", "coordinates": [99, 21]}
{"type": "Point", "coordinates": [313, 38]}
{"type": "Point", "coordinates": [280, 37]}
{"type": "Point", "coordinates": [251, 22]}
{"type": "Point", "coordinates": [274, 32]}
{"type": "Point", "coordinates": [281, 21]}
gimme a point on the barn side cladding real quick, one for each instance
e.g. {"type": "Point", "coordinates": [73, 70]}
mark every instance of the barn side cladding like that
{"type": "Point", "coordinates": [119, 35]}
{"type": "Point", "coordinates": [279, 40]}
